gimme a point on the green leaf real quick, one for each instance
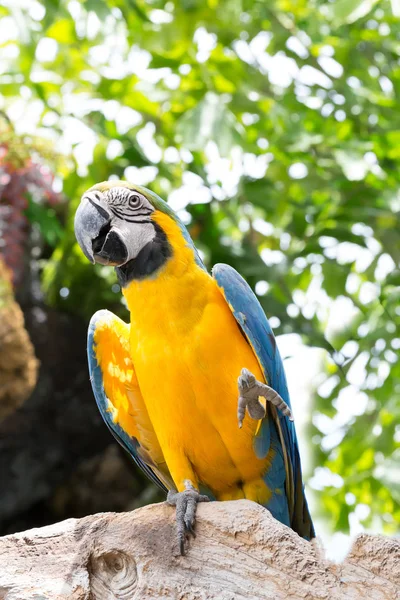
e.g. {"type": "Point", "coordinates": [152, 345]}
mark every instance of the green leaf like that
{"type": "Point", "coordinates": [209, 120]}
{"type": "Point", "coordinates": [62, 31]}
{"type": "Point", "coordinates": [46, 219]}
{"type": "Point", "coordinates": [349, 11]}
{"type": "Point", "coordinates": [335, 277]}
{"type": "Point", "coordinates": [99, 7]}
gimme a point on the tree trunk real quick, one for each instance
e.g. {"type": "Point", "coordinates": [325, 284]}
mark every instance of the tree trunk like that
{"type": "Point", "coordinates": [240, 552]}
{"type": "Point", "coordinates": [18, 364]}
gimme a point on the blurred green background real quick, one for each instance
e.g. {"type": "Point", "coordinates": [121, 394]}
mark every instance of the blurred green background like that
{"type": "Point", "coordinates": [273, 128]}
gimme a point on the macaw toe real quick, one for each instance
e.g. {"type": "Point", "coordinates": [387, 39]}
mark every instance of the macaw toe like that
{"type": "Point", "coordinates": [250, 391]}
{"type": "Point", "coordinates": [186, 504]}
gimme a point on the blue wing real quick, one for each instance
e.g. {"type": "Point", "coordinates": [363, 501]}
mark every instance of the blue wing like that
{"type": "Point", "coordinates": [141, 455]}
{"type": "Point", "coordinates": [288, 503]}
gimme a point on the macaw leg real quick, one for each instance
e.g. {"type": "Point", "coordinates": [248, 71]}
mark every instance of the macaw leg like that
{"type": "Point", "coordinates": [186, 503]}
{"type": "Point", "coordinates": [249, 391]}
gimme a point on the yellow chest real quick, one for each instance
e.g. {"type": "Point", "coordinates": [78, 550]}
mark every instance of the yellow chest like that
{"type": "Point", "coordinates": [188, 351]}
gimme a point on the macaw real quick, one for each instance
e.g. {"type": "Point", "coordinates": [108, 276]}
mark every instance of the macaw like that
{"type": "Point", "coordinates": [174, 384]}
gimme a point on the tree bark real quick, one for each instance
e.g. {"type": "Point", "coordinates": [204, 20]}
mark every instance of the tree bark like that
{"type": "Point", "coordinates": [240, 552]}
{"type": "Point", "coordinates": [18, 364]}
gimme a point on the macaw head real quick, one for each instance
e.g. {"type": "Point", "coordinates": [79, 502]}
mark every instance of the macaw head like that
{"type": "Point", "coordinates": [119, 224]}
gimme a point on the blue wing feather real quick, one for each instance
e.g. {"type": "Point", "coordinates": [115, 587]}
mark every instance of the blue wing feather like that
{"type": "Point", "coordinates": [288, 502]}
{"type": "Point", "coordinates": [130, 444]}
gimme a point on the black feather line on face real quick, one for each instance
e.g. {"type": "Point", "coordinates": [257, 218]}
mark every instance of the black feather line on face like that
{"type": "Point", "coordinates": [151, 258]}
{"type": "Point", "coordinates": [137, 220]}
{"type": "Point", "coordinates": [124, 214]}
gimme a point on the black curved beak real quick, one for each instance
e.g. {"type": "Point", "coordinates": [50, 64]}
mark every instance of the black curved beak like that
{"type": "Point", "coordinates": [91, 218]}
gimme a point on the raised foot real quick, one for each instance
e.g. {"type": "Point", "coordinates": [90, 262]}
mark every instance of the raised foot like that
{"type": "Point", "coordinates": [249, 391]}
{"type": "Point", "coordinates": [186, 504]}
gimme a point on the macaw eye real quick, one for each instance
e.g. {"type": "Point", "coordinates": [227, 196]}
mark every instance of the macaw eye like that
{"type": "Point", "coordinates": [134, 201]}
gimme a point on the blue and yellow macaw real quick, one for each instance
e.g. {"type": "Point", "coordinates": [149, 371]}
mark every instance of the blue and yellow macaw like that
{"type": "Point", "coordinates": [174, 384]}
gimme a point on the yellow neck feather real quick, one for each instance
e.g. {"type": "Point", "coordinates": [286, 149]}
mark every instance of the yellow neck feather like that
{"type": "Point", "coordinates": [177, 294]}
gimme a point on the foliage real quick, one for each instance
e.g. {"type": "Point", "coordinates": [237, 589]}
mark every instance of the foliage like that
{"type": "Point", "coordinates": [274, 127]}
{"type": "Point", "coordinates": [26, 196]}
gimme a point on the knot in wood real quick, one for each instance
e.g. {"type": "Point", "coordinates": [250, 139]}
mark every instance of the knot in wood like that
{"type": "Point", "coordinates": [113, 576]}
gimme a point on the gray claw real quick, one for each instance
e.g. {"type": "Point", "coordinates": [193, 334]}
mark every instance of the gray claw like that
{"type": "Point", "coordinates": [186, 504]}
{"type": "Point", "coordinates": [246, 380]}
{"type": "Point", "coordinates": [249, 391]}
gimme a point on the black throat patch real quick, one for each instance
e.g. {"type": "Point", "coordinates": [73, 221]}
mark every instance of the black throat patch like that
{"type": "Point", "coordinates": [151, 257]}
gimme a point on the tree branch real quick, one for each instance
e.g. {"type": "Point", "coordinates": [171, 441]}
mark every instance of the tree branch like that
{"type": "Point", "coordinates": [240, 552]}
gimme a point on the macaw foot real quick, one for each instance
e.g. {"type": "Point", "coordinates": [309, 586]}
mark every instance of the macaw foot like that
{"type": "Point", "coordinates": [186, 503]}
{"type": "Point", "coordinates": [249, 391]}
